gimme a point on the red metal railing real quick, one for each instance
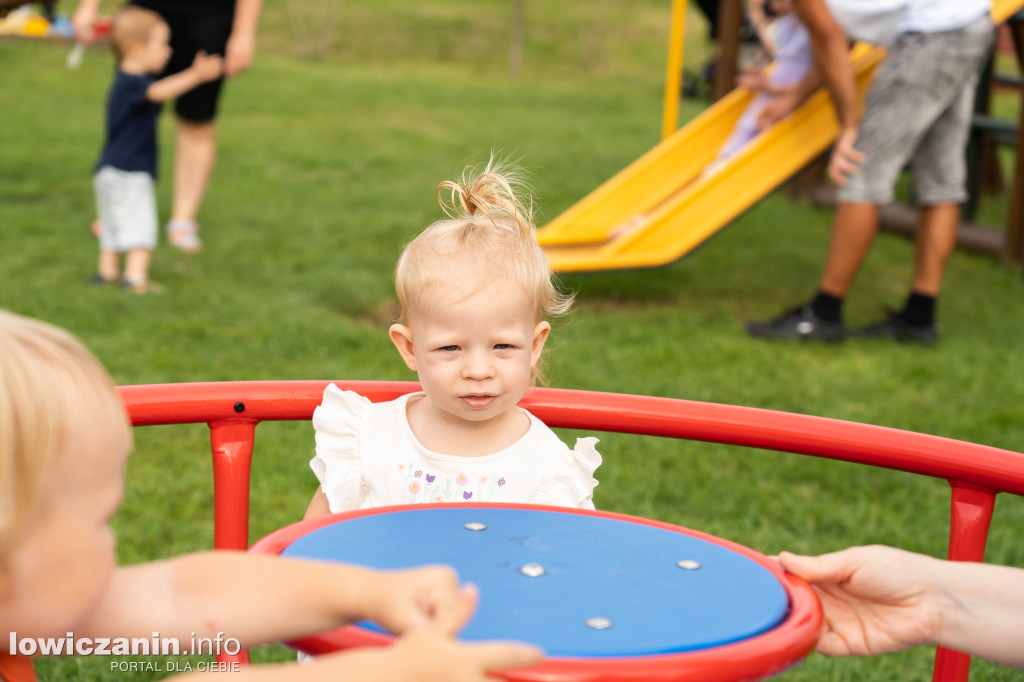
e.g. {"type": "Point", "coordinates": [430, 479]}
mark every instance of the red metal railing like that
{"type": "Point", "coordinates": [233, 409]}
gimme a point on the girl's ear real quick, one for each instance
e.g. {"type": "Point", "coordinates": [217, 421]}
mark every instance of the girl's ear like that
{"type": "Point", "coordinates": [540, 336]}
{"type": "Point", "coordinates": [401, 336]}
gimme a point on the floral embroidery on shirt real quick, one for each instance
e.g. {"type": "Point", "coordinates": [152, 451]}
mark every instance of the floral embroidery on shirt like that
{"type": "Point", "coordinates": [421, 485]}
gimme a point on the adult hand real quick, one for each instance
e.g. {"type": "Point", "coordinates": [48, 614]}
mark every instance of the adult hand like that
{"type": "Point", "coordinates": [876, 599]}
{"type": "Point", "coordinates": [238, 54]}
{"type": "Point", "coordinates": [83, 22]}
{"type": "Point", "coordinates": [845, 160]}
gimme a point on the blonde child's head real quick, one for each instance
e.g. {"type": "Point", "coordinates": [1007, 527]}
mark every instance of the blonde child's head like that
{"type": "Point", "coordinates": [488, 239]}
{"type": "Point", "coordinates": [63, 438]}
{"type": "Point", "coordinates": [133, 27]}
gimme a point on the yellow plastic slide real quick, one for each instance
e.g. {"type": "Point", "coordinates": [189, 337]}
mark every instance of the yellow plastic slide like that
{"type": "Point", "coordinates": [664, 204]}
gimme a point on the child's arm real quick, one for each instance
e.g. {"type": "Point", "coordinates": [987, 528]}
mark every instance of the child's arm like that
{"type": "Point", "coordinates": [880, 599]}
{"type": "Point", "coordinates": [426, 654]}
{"type": "Point", "coordinates": [785, 100]}
{"type": "Point", "coordinates": [258, 599]}
{"type": "Point", "coordinates": [760, 23]}
{"type": "Point", "coordinates": [204, 68]}
{"type": "Point", "coordinates": [318, 506]}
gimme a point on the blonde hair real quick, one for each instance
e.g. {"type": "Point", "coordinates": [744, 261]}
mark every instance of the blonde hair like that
{"type": "Point", "coordinates": [132, 26]}
{"type": "Point", "coordinates": [46, 376]}
{"type": "Point", "coordinates": [489, 228]}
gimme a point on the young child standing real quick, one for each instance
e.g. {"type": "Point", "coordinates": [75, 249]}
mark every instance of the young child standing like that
{"type": "Point", "coordinates": [474, 290]}
{"type": "Point", "coordinates": [64, 437]}
{"type": "Point", "coordinates": [127, 168]}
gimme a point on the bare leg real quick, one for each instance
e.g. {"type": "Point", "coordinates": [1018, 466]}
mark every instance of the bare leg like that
{"type": "Point", "coordinates": [936, 239]}
{"type": "Point", "coordinates": [136, 266]}
{"type": "Point", "coordinates": [108, 265]}
{"type": "Point", "coordinates": [194, 155]}
{"type": "Point", "coordinates": [853, 231]}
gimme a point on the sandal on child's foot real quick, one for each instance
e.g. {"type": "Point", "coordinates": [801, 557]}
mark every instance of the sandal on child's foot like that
{"type": "Point", "coordinates": [146, 286]}
{"type": "Point", "coordinates": [184, 235]}
{"type": "Point", "coordinates": [99, 280]}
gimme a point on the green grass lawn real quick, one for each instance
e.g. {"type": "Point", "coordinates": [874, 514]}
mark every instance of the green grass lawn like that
{"type": "Point", "coordinates": [328, 164]}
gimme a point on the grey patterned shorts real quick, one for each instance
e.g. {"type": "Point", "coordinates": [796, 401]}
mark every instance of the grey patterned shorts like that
{"type": "Point", "coordinates": [126, 204]}
{"type": "Point", "coordinates": [919, 111]}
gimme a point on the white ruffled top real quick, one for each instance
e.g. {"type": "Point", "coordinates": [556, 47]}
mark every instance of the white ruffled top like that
{"type": "Point", "coordinates": [368, 456]}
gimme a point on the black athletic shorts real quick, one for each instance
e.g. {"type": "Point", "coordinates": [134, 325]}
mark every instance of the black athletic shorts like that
{"type": "Point", "coordinates": [196, 25]}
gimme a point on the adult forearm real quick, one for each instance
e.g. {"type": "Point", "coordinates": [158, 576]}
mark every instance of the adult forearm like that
{"type": "Point", "coordinates": [831, 52]}
{"type": "Point", "coordinates": [247, 17]}
{"type": "Point", "coordinates": [988, 618]}
{"type": "Point", "coordinates": [88, 7]}
{"type": "Point", "coordinates": [834, 67]}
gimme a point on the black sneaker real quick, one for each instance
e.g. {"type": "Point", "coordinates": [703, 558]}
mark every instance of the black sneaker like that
{"type": "Point", "coordinates": [799, 324]}
{"type": "Point", "coordinates": [897, 327]}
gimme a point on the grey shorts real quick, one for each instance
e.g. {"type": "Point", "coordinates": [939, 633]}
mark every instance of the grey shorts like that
{"type": "Point", "coordinates": [919, 111]}
{"type": "Point", "coordinates": [126, 204]}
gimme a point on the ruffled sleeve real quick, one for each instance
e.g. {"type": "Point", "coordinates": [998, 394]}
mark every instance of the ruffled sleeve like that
{"type": "Point", "coordinates": [570, 481]}
{"type": "Point", "coordinates": [337, 463]}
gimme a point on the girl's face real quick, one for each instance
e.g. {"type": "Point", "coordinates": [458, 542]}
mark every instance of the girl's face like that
{"type": "Point", "coordinates": [474, 357]}
{"type": "Point", "coordinates": [63, 565]}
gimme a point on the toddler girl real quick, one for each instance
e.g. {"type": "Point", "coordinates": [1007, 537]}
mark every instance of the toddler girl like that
{"type": "Point", "coordinates": [787, 40]}
{"type": "Point", "coordinates": [474, 290]}
{"type": "Point", "coordinates": [64, 438]}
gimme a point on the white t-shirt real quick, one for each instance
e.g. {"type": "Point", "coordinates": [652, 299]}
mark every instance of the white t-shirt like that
{"type": "Point", "coordinates": [368, 456]}
{"type": "Point", "coordinates": [880, 21]}
{"type": "Point", "coordinates": [932, 16]}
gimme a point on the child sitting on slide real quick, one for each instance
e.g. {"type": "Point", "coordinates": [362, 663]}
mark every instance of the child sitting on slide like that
{"type": "Point", "coordinates": [788, 41]}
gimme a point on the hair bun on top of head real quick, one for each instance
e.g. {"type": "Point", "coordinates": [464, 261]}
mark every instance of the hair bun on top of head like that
{"type": "Point", "coordinates": [491, 193]}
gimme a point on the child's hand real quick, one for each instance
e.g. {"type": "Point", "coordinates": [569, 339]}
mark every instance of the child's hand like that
{"type": "Point", "coordinates": [431, 653]}
{"type": "Point", "coordinates": [752, 79]}
{"type": "Point", "coordinates": [428, 653]}
{"type": "Point", "coordinates": [208, 66]}
{"type": "Point", "coordinates": [403, 600]}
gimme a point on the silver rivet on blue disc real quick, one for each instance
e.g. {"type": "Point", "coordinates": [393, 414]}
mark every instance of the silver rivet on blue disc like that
{"type": "Point", "coordinates": [532, 570]}
{"type": "Point", "coordinates": [475, 525]}
{"type": "Point", "coordinates": [598, 623]}
{"type": "Point", "coordinates": [688, 564]}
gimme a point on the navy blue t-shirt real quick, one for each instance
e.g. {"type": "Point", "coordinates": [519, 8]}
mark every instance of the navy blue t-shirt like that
{"type": "Point", "coordinates": [131, 125]}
